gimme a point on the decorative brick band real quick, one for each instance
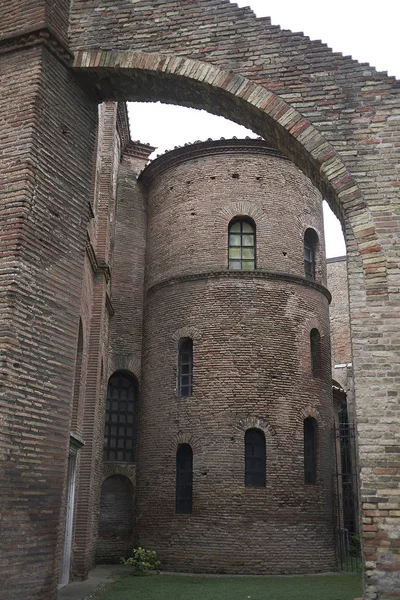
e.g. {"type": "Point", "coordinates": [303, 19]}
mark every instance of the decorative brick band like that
{"type": "Point", "coordinates": [257, 274]}
{"type": "Point", "coordinates": [200, 149]}
{"type": "Point", "coordinates": [43, 34]}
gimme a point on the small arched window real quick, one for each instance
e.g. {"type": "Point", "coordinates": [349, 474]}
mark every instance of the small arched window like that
{"type": "Point", "coordinates": [254, 442]}
{"type": "Point", "coordinates": [310, 451]}
{"type": "Point", "coordinates": [184, 479]}
{"type": "Point", "coordinates": [120, 426]}
{"type": "Point", "coordinates": [242, 244]}
{"type": "Point", "coordinates": [315, 351]}
{"type": "Point", "coordinates": [185, 367]}
{"type": "Point", "coordinates": [310, 251]}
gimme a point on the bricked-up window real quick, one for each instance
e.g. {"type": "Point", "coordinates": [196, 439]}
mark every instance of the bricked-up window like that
{"type": "Point", "coordinates": [310, 451]}
{"type": "Point", "coordinates": [254, 458]}
{"type": "Point", "coordinates": [120, 427]}
{"type": "Point", "coordinates": [116, 508]}
{"type": "Point", "coordinates": [315, 351]}
{"type": "Point", "coordinates": [242, 244]}
{"type": "Point", "coordinates": [310, 251]}
{"type": "Point", "coordinates": [185, 367]}
{"type": "Point", "coordinates": [184, 479]}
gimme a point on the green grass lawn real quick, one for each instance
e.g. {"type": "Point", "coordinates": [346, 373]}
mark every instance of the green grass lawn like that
{"type": "Point", "coordinates": [180, 587]}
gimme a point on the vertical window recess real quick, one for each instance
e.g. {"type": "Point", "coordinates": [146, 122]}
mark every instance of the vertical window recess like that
{"type": "Point", "coordinates": [310, 451]}
{"type": "Point", "coordinates": [184, 479]}
{"type": "Point", "coordinates": [315, 351]}
{"type": "Point", "coordinates": [242, 245]}
{"type": "Point", "coordinates": [255, 458]}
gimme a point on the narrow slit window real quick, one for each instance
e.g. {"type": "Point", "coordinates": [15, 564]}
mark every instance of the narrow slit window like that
{"type": "Point", "coordinates": [242, 245]}
{"type": "Point", "coordinates": [255, 458]}
{"type": "Point", "coordinates": [185, 367]}
{"type": "Point", "coordinates": [310, 451]}
{"type": "Point", "coordinates": [310, 251]}
{"type": "Point", "coordinates": [184, 479]}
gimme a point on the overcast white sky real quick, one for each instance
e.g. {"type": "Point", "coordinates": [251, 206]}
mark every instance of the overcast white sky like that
{"type": "Point", "coordinates": [364, 29]}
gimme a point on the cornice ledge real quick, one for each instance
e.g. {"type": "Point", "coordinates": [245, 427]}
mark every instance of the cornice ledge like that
{"type": "Point", "coordinates": [244, 275]}
{"type": "Point", "coordinates": [109, 306]}
{"type": "Point", "coordinates": [41, 34]}
{"type": "Point", "coordinates": [186, 153]}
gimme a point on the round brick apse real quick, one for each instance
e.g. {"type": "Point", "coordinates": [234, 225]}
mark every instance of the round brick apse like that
{"type": "Point", "coordinates": [235, 447]}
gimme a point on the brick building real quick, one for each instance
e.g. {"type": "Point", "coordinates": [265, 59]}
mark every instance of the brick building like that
{"type": "Point", "coordinates": [207, 372]}
{"type": "Point", "coordinates": [335, 119]}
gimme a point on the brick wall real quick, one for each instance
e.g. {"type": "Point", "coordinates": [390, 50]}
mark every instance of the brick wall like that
{"type": "Point", "coordinates": [339, 316]}
{"type": "Point", "coordinates": [42, 256]}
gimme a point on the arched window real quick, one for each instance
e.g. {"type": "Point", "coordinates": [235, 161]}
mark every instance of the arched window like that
{"type": "Point", "coordinates": [242, 244]}
{"type": "Point", "coordinates": [120, 426]}
{"type": "Point", "coordinates": [254, 442]}
{"type": "Point", "coordinates": [315, 351]}
{"type": "Point", "coordinates": [310, 450]}
{"type": "Point", "coordinates": [310, 251]}
{"type": "Point", "coordinates": [184, 479]}
{"type": "Point", "coordinates": [185, 367]}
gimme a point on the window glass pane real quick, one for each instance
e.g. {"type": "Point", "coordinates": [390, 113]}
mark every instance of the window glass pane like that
{"type": "Point", "coordinates": [235, 265]}
{"type": "Point", "coordinates": [248, 240]}
{"type": "Point", "coordinates": [235, 227]}
{"type": "Point", "coordinates": [247, 228]}
{"type": "Point", "coordinates": [248, 253]}
{"type": "Point", "coordinates": [234, 240]}
{"type": "Point", "coordinates": [235, 252]}
{"type": "Point", "coordinates": [248, 265]}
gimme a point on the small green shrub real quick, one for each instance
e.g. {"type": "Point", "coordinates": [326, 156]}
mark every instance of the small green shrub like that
{"type": "Point", "coordinates": [142, 561]}
{"type": "Point", "coordinates": [355, 545]}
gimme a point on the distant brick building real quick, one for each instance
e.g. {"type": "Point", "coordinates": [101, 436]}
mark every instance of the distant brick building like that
{"type": "Point", "coordinates": [208, 364]}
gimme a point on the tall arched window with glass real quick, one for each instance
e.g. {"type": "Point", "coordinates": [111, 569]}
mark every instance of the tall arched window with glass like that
{"type": "Point", "coordinates": [242, 244]}
{"type": "Point", "coordinates": [120, 424]}
{"type": "Point", "coordinates": [185, 367]}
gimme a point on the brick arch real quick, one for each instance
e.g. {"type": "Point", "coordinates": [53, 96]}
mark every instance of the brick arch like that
{"type": "Point", "coordinates": [168, 78]}
{"type": "Point", "coordinates": [271, 438]}
{"type": "Point", "coordinates": [127, 470]}
{"type": "Point", "coordinates": [240, 208]}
